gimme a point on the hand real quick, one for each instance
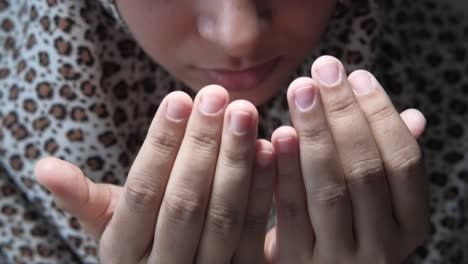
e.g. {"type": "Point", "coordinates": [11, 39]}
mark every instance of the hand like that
{"type": "Point", "coordinates": [351, 187]}
{"type": "Point", "coordinates": [199, 190]}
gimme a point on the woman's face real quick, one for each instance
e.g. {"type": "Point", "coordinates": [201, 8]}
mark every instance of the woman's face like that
{"type": "Point", "coordinates": [250, 47]}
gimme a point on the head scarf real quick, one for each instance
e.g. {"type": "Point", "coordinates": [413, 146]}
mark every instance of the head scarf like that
{"type": "Point", "coordinates": [75, 85]}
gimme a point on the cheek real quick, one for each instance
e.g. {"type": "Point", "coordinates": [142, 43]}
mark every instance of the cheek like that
{"type": "Point", "coordinates": [158, 26]}
{"type": "Point", "coordinates": [302, 22]}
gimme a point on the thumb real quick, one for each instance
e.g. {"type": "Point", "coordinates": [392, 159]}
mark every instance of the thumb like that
{"type": "Point", "coordinates": [415, 121]}
{"type": "Point", "coordinates": [92, 204]}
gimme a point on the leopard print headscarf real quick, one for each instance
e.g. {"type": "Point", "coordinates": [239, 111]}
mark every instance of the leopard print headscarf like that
{"type": "Point", "coordinates": [74, 84]}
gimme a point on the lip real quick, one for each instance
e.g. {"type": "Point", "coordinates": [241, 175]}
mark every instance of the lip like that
{"type": "Point", "coordinates": [244, 79]}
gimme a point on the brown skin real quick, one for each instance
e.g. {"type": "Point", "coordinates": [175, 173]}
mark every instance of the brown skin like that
{"type": "Point", "coordinates": [177, 34]}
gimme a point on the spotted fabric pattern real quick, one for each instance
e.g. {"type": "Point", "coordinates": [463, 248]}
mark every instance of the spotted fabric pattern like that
{"type": "Point", "coordinates": [74, 84]}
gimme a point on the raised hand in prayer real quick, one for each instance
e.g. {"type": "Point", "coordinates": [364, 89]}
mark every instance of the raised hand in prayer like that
{"type": "Point", "coordinates": [199, 190]}
{"type": "Point", "coordinates": [351, 186]}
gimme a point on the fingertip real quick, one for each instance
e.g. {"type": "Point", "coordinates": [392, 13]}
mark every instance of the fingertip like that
{"type": "Point", "coordinates": [284, 139]}
{"type": "Point", "coordinates": [215, 90]}
{"type": "Point", "coordinates": [245, 107]}
{"type": "Point", "coordinates": [283, 132]}
{"type": "Point", "coordinates": [178, 106]}
{"type": "Point", "coordinates": [325, 59]}
{"type": "Point", "coordinates": [264, 145]}
{"type": "Point", "coordinates": [43, 169]}
{"type": "Point", "coordinates": [55, 174]}
{"type": "Point", "coordinates": [212, 99]}
{"type": "Point", "coordinates": [415, 121]}
{"type": "Point", "coordinates": [299, 83]}
{"type": "Point", "coordinates": [265, 153]}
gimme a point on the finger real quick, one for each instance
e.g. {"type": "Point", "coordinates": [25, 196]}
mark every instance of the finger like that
{"type": "Point", "coordinates": [252, 240]}
{"type": "Point", "coordinates": [328, 201]}
{"type": "Point", "coordinates": [359, 155]}
{"type": "Point", "coordinates": [135, 216]}
{"type": "Point", "coordinates": [231, 184]}
{"type": "Point", "coordinates": [399, 150]}
{"type": "Point", "coordinates": [92, 204]}
{"type": "Point", "coordinates": [270, 248]}
{"type": "Point", "coordinates": [295, 237]}
{"type": "Point", "coordinates": [415, 121]}
{"type": "Point", "coordinates": [182, 213]}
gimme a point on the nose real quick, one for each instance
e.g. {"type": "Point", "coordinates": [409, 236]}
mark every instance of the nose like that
{"type": "Point", "coordinates": [234, 25]}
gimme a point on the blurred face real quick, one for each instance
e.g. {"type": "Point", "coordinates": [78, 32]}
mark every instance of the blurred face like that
{"type": "Point", "coordinates": [250, 47]}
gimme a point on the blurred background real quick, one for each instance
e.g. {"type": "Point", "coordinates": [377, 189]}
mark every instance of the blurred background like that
{"type": "Point", "coordinates": [459, 3]}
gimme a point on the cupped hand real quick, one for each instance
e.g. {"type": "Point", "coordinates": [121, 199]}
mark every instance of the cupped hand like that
{"type": "Point", "coordinates": [199, 190]}
{"type": "Point", "coordinates": [351, 186]}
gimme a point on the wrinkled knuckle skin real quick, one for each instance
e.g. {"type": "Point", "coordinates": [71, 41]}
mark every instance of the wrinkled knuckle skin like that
{"type": "Point", "coordinates": [383, 113]}
{"type": "Point", "coordinates": [163, 142]}
{"type": "Point", "coordinates": [330, 195]}
{"type": "Point", "coordinates": [364, 172]}
{"type": "Point", "coordinates": [318, 139]}
{"type": "Point", "coordinates": [204, 141]}
{"type": "Point", "coordinates": [341, 108]}
{"type": "Point", "coordinates": [182, 208]}
{"type": "Point", "coordinates": [222, 220]}
{"type": "Point", "coordinates": [408, 159]}
{"type": "Point", "coordinates": [236, 158]}
{"type": "Point", "coordinates": [141, 194]}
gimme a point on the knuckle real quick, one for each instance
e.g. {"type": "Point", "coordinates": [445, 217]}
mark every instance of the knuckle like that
{"type": "Point", "coordinates": [182, 208]}
{"type": "Point", "coordinates": [223, 220]}
{"type": "Point", "coordinates": [341, 108]}
{"type": "Point", "coordinates": [203, 140]}
{"type": "Point", "coordinates": [330, 195]}
{"type": "Point", "coordinates": [407, 159]}
{"type": "Point", "coordinates": [237, 158]}
{"type": "Point", "coordinates": [141, 194]}
{"type": "Point", "coordinates": [316, 138]}
{"type": "Point", "coordinates": [364, 171]}
{"type": "Point", "coordinates": [382, 113]}
{"type": "Point", "coordinates": [163, 142]}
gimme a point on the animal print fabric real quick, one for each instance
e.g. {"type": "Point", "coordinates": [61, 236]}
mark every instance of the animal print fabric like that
{"type": "Point", "coordinates": [75, 85]}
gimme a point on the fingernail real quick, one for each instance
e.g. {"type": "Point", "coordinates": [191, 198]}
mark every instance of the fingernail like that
{"type": "Point", "coordinates": [240, 122]}
{"type": "Point", "coordinates": [264, 158]}
{"type": "Point", "coordinates": [304, 97]}
{"type": "Point", "coordinates": [286, 145]}
{"type": "Point", "coordinates": [212, 103]}
{"type": "Point", "coordinates": [176, 111]}
{"type": "Point", "coordinates": [362, 83]}
{"type": "Point", "coordinates": [329, 74]}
